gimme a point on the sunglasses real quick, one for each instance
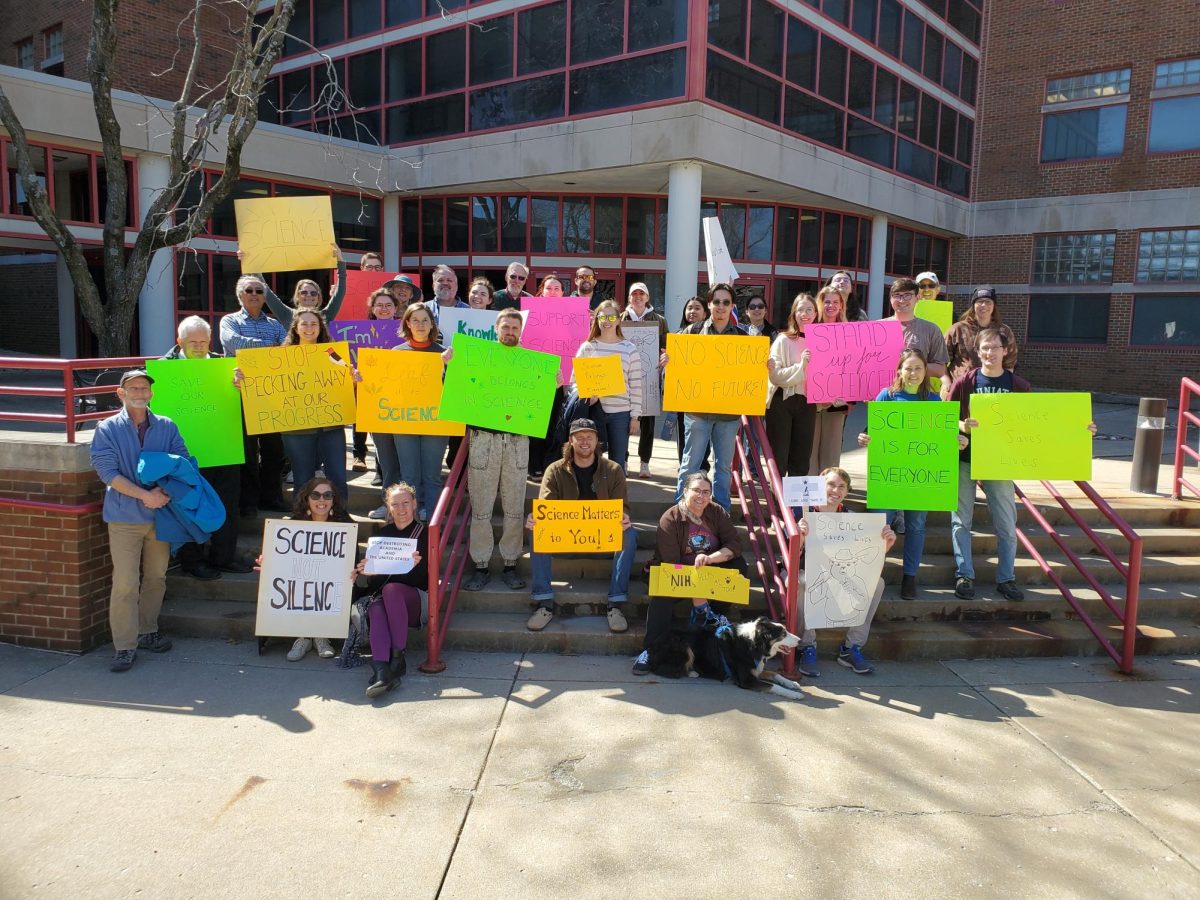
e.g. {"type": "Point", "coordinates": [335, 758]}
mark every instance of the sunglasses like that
{"type": "Point", "coordinates": [585, 277]}
{"type": "Point", "coordinates": [320, 495]}
{"type": "Point", "coordinates": [517, 277]}
{"type": "Point", "coordinates": [722, 303]}
{"type": "Point", "coordinates": [607, 318]}
{"type": "Point", "coordinates": [755, 306]}
{"type": "Point", "coordinates": [253, 291]}
{"type": "Point", "coordinates": [307, 293]}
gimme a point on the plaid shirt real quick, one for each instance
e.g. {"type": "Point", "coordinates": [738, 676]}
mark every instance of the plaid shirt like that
{"type": "Point", "coordinates": [241, 332]}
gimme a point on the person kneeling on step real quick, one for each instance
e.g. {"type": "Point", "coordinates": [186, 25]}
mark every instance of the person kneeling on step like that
{"type": "Point", "coordinates": [584, 474]}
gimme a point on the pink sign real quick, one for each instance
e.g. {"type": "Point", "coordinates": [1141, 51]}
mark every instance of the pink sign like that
{"type": "Point", "coordinates": [851, 360]}
{"type": "Point", "coordinates": [556, 325]}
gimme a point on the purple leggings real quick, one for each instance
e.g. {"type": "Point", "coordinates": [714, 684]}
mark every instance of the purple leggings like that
{"type": "Point", "coordinates": [390, 617]}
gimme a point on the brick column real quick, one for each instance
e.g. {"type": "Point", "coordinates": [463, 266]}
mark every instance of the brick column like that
{"type": "Point", "coordinates": [56, 571]}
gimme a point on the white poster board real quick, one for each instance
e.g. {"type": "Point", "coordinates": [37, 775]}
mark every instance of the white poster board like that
{"type": "Point", "coordinates": [843, 559]}
{"type": "Point", "coordinates": [390, 556]}
{"type": "Point", "coordinates": [480, 323]}
{"type": "Point", "coordinates": [304, 586]}
{"type": "Point", "coordinates": [804, 490]}
{"type": "Point", "coordinates": [720, 264]}
{"type": "Point", "coordinates": [645, 337]}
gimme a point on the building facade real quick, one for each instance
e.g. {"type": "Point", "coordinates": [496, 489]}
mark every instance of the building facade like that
{"type": "Point", "coordinates": [1043, 149]}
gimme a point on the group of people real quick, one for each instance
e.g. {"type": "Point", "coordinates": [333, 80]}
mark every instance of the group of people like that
{"type": "Point", "coordinates": [975, 356]}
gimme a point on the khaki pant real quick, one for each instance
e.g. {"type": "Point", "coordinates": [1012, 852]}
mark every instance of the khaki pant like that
{"type": "Point", "coordinates": [138, 583]}
{"type": "Point", "coordinates": [497, 462]}
{"type": "Point", "coordinates": [827, 441]}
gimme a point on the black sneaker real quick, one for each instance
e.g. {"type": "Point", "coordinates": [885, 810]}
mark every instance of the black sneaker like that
{"type": "Point", "coordinates": [964, 589]}
{"type": "Point", "coordinates": [908, 587]}
{"type": "Point", "coordinates": [1009, 591]}
{"type": "Point", "coordinates": [122, 661]}
{"type": "Point", "coordinates": [237, 566]}
{"type": "Point", "coordinates": [155, 642]}
{"type": "Point", "coordinates": [478, 580]}
{"type": "Point", "coordinates": [202, 571]}
{"type": "Point", "coordinates": [641, 665]}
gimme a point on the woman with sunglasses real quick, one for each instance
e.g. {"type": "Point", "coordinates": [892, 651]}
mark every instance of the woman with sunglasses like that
{"type": "Point", "coordinates": [960, 339]}
{"type": "Point", "coordinates": [316, 501]}
{"type": "Point", "coordinates": [756, 319]}
{"type": "Point", "coordinates": [307, 294]}
{"type": "Point", "coordinates": [622, 411]}
{"type": "Point", "coordinates": [829, 423]}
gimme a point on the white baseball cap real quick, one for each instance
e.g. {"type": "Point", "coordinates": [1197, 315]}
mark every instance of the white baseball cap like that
{"type": "Point", "coordinates": [639, 286]}
{"type": "Point", "coordinates": [928, 276]}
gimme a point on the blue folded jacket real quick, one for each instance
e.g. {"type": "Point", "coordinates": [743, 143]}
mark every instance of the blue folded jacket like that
{"type": "Point", "coordinates": [195, 510]}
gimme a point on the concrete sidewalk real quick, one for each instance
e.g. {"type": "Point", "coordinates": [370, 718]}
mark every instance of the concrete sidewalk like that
{"type": "Point", "coordinates": [213, 772]}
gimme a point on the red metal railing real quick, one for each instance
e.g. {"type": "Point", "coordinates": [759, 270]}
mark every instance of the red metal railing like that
{"type": "Point", "coordinates": [1187, 387]}
{"type": "Point", "coordinates": [448, 530]}
{"type": "Point", "coordinates": [70, 393]}
{"type": "Point", "coordinates": [1132, 571]}
{"type": "Point", "coordinates": [774, 537]}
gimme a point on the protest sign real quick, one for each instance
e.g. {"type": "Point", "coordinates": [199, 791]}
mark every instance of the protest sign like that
{"type": "Point", "coordinates": [359, 287]}
{"type": "Point", "coordinates": [198, 395]}
{"type": "Point", "coordinates": [480, 323]}
{"type": "Point", "coordinates": [708, 373]}
{"type": "Point", "coordinates": [297, 387]}
{"type": "Point", "coordinates": [912, 460]}
{"type": "Point", "coordinates": [851, 360]}
{"type": "Point", "coordinates": [390, 556]}
{"type": "Point", "coordinates": [556, 325]}
{"type": "Point", "coordinates": [304, 588]}
{"type": "Point", "coordinates": [707, 582]}
{"type": "Point", "coordinates": [599, 376]}
{"type": "Point", "coordinates": [577, 526]}
{"type": "Point", "coordinates": [720, 265]}
{"type": "Point", "coordinates": [285, 234]}
{"type": "Point", "coordinates": [645, 337]}
{"type": "Point", "coordinates": [804, 490]}
{"type": "Point", "coordinates": [380, 333]}
{"type": "Point", "coordinates": [401, 393]}
{"type": "Point", "coordinates": [1042, 437]}
{"type": "Point", "coordinates": [843, 558]}
{"type": "Point", "coordinates": [506, 388]}
{"type": "Point", "coordinates": [939, 312]}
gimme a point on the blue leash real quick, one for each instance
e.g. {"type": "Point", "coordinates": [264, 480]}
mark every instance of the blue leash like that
{"type": "Point", "coordinates": [723, 628]}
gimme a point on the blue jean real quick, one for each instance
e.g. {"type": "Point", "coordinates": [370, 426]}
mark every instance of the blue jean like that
{"type": "Point", "coordinates": [388, 455]}
{"type": "Point", "coordinates": [421, 461]}
{"type": "Point", "coordinates": [326, 448]}
{"type": "Point", "coordinates": [1002, 501]}
{"type": "Point", "coordinates": [698, 433]}
{"type": "Point", "coordinates": [618, 587]}
{"type": "Point", "coordinates": [618, 437]}
{"type": "Point", "coordinates": [914, 536]}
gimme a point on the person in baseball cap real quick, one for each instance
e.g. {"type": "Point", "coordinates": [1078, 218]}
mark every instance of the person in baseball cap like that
{"type": "Point", "coordinates": [928, 286]}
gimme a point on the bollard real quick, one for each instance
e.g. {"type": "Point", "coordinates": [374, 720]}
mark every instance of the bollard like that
{"type": "Point", "coordinates": [1147, 445]}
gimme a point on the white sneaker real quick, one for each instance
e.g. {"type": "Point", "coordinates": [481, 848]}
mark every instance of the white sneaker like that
{"type": "Point", "coordinates": [645, 472]}
{"type": "Point", "coordinates": [299, 649]}
{"type": "Point", "coordinates": [324, 648]}
{"type": "Point", "coordinates": [380, 513]}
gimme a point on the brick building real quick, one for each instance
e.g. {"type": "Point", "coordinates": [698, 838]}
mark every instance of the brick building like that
{"type": "Point", "coordinates": [1043, 148]}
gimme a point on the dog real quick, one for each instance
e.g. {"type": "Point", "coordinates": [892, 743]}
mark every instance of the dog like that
{"type": "Point", "coordinates": [718, 650]}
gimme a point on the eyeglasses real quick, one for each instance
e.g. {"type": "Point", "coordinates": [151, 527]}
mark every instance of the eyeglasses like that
{"type": "Point", "coordinates": [721, 303]}
{"type": "Point", "coordinates": [517, 277]}
{"type": "Point", "coordinates": [250, 290]}
{"type": "Point", "coordinates": [755, 306]}
{"type": "Point", "coordinates": [320, 495]}
{"type": "Point", "coordinates": [607, 318]}
{"type": "Point", "coordinates": [905, 297]}
{"type": "Point", "coordinates": [308, 293]}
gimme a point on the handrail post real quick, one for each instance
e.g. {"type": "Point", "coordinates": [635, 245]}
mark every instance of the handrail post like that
{"type": "Point", "coordinates": [433, 646]}
{"type": "Point", "coordinates": [1132, 584]}
{"type": "Point", "coordinates": [68, 374]}
{"type": "Point", "coordinates": [1180, 439]}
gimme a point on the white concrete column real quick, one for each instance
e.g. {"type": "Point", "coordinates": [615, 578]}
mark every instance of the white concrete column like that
{"type": "Point", "coordinates": [66, 310]}
{"type": "Point", "coordinates": [156, 303]}
{"type": "Point", "coordinates": [877, 273]}
{"type": "Point", "coordinates": [391, 233]}
{"type": "Point", "coordinates": [683, 237]}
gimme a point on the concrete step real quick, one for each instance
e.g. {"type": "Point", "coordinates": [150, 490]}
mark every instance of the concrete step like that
{"type": "Point", "coordinates": [890, 640]}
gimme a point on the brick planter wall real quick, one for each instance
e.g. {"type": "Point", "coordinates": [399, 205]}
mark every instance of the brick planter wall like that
{"type": "Point", "coordinates": [55, 565]}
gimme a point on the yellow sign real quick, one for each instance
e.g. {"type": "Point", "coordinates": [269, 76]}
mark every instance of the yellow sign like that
{"type": "Point", "coordinates": [297, 387]}
{"type": "Point", "coordinates": [707, 582]}
{"type": "Point", "coordinates": [599, 376]}
{"type": "Point", "coordinates": [284, 234]}
{"type": "Point", "coordinates": [400, 393]}
{"type": "Point", "coordinates": [577, 526]}
{"type": "Point", "coordinates": [708, 373]}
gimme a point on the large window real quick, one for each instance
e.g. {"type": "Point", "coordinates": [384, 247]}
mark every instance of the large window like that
{"type": "Point", "coordinates": [911, 252]}
{"type": "Point", "coordinates": [1171, 320]}
{"type": "Point", "coordinates": [1169, 256]}
{"type": "Point", "coordinates": [1084, 116]}
{"type": "Point", "coordinates": [1175, 107]}
{"type": "Point", "coordinates": [1068, 318]}
{"type": "Point", "coordinates": [75, 181]}
{"type": "Point", "coordinates": [1074, 258]}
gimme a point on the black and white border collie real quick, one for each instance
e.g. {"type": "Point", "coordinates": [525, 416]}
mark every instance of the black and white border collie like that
{"type": "Point", "coordinates": [736, 652]}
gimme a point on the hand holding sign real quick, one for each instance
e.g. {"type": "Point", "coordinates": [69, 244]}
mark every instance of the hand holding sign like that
{"type": "Point", "coordinates": [285, 234]}
{"type": "Point", "coordinates": [304, 588]}
{"type": "Point", "coordinates": [709, 373]}
{"type": "Point", "coordinates": [577, 526]}
{"type": "Point", "coordinates": [1036, 436]}
{"type": "Point", "coordinates": [599, 376]}
{"type": "Point", "coordinates": [708, 583]}
{"type": "Point", "coordinates": [843, 559]}
{"type": "Point", "coordinates": [804, 490]}
{"type": "Point", "coordinates": [391, 556]}
{"type": "Point", "coordinates": [851, 360]}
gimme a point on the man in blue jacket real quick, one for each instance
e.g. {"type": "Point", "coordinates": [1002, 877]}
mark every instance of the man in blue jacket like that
{"type": "Point", "coordinates": [139, 577]}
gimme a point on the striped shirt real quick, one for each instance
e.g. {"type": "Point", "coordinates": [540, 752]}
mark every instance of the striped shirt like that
{"type": "Point", "coordinates": [631, 364]}
{"type": "Point", "coordinates": [239, 331]}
